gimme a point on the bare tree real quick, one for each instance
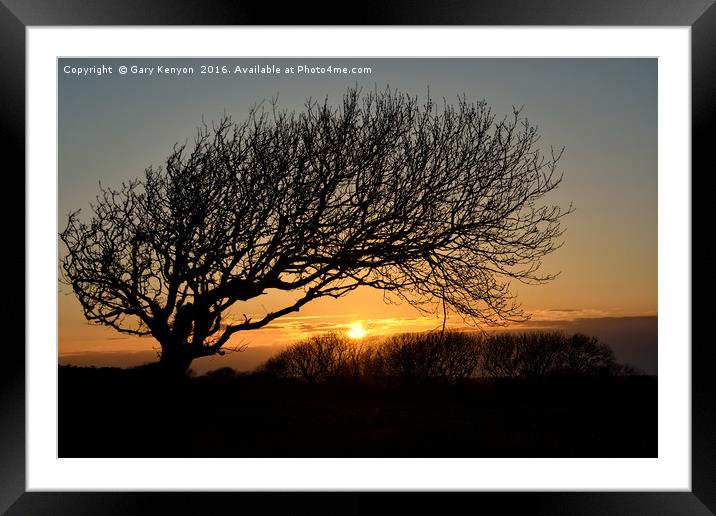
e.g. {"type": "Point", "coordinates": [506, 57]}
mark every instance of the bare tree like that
{"type": "Point", "coordinates": [501, 356]}
{"type": "Point", "coordinates": [321, 358]}
{"type": "Point", "coordinates": [535, 354]}
{"type": "Point", "coordinates": [434, 203]}
{"type": "Point", "coordinates": [540, 353]}
{"type": "Point", "coordinates": [584, 355]}
{"type": "Point", "coordinates": [409, 359]}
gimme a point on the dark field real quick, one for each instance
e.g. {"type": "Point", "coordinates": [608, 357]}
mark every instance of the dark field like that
{"type": "Point", "coordinates": [108, 412]}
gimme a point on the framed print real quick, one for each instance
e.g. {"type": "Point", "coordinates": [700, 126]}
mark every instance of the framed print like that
{"type": "Point", "coordinates": [401, 255]}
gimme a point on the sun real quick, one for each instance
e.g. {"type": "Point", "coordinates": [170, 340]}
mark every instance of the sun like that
{"type": "Point", "coordinates": [356, 331]}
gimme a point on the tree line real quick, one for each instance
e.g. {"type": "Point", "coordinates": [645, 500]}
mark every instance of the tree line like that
{"type": "Point", "coordinates": [446, 357]}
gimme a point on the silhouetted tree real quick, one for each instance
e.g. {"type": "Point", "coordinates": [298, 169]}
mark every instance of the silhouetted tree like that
{"type": "Point", "coordinates": [432, 357]}
{"type": "Point", "coordinates": [540, 353]}
{"type": "Point", "coordinates": [318, 359]}
{"type": "Point", "coordinates": [500, 356]}
{"type": "Point", "coordinates": [584, 355]}
{"type": "Point", "coordinates": [533, 354]}
{"type": "Point", "coordinates": [523, 354]}
{"type": "Point", "coordinates": [430, 202]}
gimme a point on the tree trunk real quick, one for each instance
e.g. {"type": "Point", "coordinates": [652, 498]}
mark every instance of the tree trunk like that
{"type": "Point", "coordinates": [174, 362]}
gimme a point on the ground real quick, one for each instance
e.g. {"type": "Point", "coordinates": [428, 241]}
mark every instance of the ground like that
{"type": "Point", "coordinates": [108, 412]}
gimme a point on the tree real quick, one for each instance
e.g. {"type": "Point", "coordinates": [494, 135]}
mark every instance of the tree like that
{"type": "Point", "coordinates": [527, 354]}
{"type": "Point", "coordinates": [585, 355]}
{"type": "Point", "coordinates": [322, 358]}
{"type": "Point", "coordinates": [501, 357]}
{"type": "Point", "coordinates": [535, 354]}
{"type": "Point", "coordinates": [429, 202]}
{"type": "Point", "coordinates": [410, 359]}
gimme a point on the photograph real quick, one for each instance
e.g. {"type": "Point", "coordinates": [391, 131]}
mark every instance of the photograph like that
{"type": "Point", "coordinates": [357, 257]}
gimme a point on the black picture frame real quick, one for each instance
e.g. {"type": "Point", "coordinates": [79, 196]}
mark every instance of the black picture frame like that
{"type": "Point", "coordinates": [17, 15]}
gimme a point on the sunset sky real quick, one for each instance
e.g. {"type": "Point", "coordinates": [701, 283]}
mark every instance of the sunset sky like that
{"type": "Point", "coordinates": [603, 111]}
